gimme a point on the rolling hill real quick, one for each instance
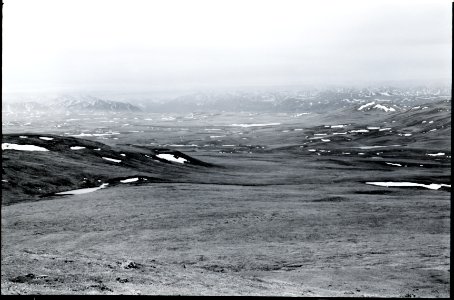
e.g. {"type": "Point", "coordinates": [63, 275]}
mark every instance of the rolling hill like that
{"type": "Point", "coordinates": [68, 163]}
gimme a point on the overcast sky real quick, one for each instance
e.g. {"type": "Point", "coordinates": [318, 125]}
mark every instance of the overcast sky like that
{"type": "Point", "coordinates": [139, 45]}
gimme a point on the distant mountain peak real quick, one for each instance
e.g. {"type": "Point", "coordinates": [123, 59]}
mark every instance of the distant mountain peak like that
{"type": "Point", "coordinates": [91, 103]}
{"type": "Point", "coordinates": [379, 106]}
{"type": "Point", "coordinates": [69, 103]}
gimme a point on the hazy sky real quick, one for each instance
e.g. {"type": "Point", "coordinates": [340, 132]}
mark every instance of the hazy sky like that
{"type": "Point", "coordinates": [165, 44]}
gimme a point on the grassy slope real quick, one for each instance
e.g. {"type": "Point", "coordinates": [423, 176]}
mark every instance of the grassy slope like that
{"type": "Point", "coordinates": [312, 240]}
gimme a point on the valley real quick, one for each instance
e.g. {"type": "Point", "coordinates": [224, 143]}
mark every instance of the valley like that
{"type": "Point", "coordinates": [299, 203]}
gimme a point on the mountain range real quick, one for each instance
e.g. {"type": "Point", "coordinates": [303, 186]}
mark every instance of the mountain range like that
{"type": "Point", "coordinates": [384, 100]}
{"type": "Point", "coordinates": [65, 104]}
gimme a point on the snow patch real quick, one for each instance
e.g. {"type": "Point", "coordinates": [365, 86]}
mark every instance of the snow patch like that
{"type": "Point", "coordinates": [386, 109]}
{"type": "Point", "coordinates": [129, 180]}
{"type": "Point", "coordinates": [373, 147]}
{"type": "Point", "coordinates": [111, 159]}
{"type": "Point", "coordinates": [171, 157]}
{"type": "Point", "coordinates": [83, 191]}
{"type": "Point", "coordinates": [77, 148]}
{"type": "Point", "coordinates": [366, 105]}
{"type": "Point", "coordinates": [95, 134]}
{"type": "Point", "coordinates": [436, 154]}
{"type": "Point", "coordinates": [432, 186]}
{"type": "Point", "coordinates": [8, 146]}
{"type": "Point", "coordinates": [46, 138]}
{"type": "Point", "coordinates": [181, 145]}
{"type": "Point", "coordinates": [392, 164]}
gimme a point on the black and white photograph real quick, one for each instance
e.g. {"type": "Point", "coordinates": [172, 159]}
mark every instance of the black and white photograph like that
{"type": "Point", "coordinates": [289, 148]}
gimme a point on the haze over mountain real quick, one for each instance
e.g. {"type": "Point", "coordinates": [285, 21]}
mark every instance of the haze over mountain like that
{"type": "Point", "coordinates": [175, 45]}
{"type": "Point", "coordinates": [69, 104]}
{"type": "Point", "coordinates": [280, 100]}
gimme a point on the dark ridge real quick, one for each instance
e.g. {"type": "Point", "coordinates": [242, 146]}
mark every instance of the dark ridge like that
{"type": "Point", "coordinates": [47, 195]}
{"type": "Point", "coordinates": [375, 192]}
{"type": "Point", "coordinates": [178, 154]}
{"type": "Point", "coordinates": [142, 179]}
{"type": "Point", "coordinates": [342, 162]}
{"type": "Point", "coordinates": [154, 151]}
{"type": "Point", "coordinates": [331, 199]}
{"type": "Point", "coordinates": [33, 175]}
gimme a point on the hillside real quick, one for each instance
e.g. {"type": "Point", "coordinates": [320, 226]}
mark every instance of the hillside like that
{"type": "Point", "coordinates": [72, 163]}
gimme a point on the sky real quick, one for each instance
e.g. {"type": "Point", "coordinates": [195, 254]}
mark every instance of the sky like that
{"type": "Point", "coordinates": [141, 45]}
